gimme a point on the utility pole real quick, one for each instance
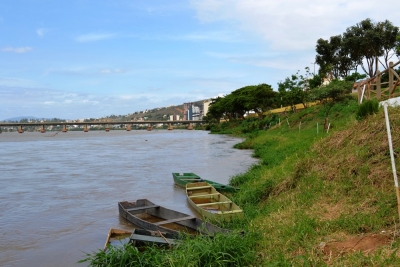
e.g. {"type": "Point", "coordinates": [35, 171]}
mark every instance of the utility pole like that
{"type": "Point", "coordinates": [314, 67]}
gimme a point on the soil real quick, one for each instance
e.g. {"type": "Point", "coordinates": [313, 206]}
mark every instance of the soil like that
{"type": "Point", "coordinates": [364, 243]}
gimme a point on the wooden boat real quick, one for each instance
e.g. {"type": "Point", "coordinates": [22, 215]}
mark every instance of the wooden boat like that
{"type": "Point", "coordinates": [147, 215]}
{"type": "Point", "coordinates": [139, 238]}
{"type": "Point", "coordinates": [210, 203]}
{"type": "Point", "coordinates": [182, 179]}
{"type": "Point", "coordinates": [117, 237]}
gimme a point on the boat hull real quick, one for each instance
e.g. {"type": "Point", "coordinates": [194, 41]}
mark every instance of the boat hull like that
{"type": "Point", "coordinates": [210, 203]}
{"type": "Point", "coordinates": [145, 214]}
{"type": "Point", "coordinates": [182, 179]}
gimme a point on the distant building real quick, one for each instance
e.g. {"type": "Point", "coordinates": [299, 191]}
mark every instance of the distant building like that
{"type": "Point", "coordinates": [206, 105]}
{"type": "Point", "coordinates": [174, 117]}
{"type": "Point", "coordinates": [187, 111]}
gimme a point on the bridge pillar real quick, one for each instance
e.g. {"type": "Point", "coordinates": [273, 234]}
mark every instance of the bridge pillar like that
{"type": "Point", "coordinates": [128, 127]}
{"type": "Point", "coordinates": [0, 130]}
{"type": "Point", "coordinates": [64, 129]}
{"type": "Point", "coordinates": [170, 126]}
{"type": "Point", "coordinates": [42, 130]}
{"type": "Point", "coordinates": [190, 126]}
{"type": "Point", "coordinates": [20, 130]}
{"type": "Point", "coordinates": [149, 128]}
{"type": "Point", "coordinates": [86, 129]}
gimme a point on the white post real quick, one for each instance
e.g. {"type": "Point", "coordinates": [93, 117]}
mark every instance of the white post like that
{"type": "Point", "coordinates": [362, 93]}
{"type": "Point", "coordinates": [279, 121]}
{"type": "Point", "coordinates": [329, 126]}
{"type": "Point", "coordinates": [396, 183]}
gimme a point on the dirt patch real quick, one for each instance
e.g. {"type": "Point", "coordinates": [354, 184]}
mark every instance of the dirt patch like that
{"type": "Point", "coordinates": [365, 244]}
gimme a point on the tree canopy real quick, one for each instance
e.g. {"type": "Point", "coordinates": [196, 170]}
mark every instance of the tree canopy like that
{"type": "Point", "coordinates": [367, 44]}
{"type": "Point", "coordinates": [258, 98]}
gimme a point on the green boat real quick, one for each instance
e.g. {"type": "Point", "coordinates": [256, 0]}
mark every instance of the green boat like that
{"type": "Point", "coordinates": [182, 179]}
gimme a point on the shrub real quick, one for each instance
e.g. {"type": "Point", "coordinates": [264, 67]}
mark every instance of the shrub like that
{"type": "Point", "coordinates": [368, 107]}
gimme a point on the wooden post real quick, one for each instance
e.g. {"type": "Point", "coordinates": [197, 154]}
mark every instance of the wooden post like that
{"type": "Point", "coordinates": [128, 127]}
{"type": "Point", "coordinates": [42, 130]}
{"type": "Point", "coordinates": [391, 85]}
{"type": "Point", "coordinates": [378, 84]}
{"type": "Point", "coordinates": [396, 183]}
{"type": "Point", "coordinates": [170, 127]}
{"type": "Point", "coordinates": [190, 126]}
{"type": "Point", "coordinates": [86, 128]}
{"type": "Point", "coordinates": [64, 129]}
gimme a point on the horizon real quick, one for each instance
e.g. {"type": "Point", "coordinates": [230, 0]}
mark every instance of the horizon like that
{"type": "Point", "coordinates": [90, 59]}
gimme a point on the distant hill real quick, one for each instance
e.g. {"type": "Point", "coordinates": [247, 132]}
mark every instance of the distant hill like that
{"type": "Point", "coordinates": [22, 117]}
{"type": "Point", "coordinates": [152, 114]}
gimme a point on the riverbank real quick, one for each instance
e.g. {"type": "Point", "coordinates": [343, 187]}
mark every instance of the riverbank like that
{"type": "Point", "coordinates": [317, 197]}
{"type": "Point", "coordinates": [323, 198]}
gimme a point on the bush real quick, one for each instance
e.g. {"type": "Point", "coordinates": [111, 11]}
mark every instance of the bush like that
{"type": "Point", "coordinates": [368, 107]}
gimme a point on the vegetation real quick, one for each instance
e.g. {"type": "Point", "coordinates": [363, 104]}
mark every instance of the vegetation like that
{"type": "Point", "coordinates": [367, 44]}
{"type": "Point", "coordinates": [234, 249]}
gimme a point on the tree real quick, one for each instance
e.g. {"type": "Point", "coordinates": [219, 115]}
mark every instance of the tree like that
{"type": "Point", "coordinates": [333, 58]}
{"type": "Point", "coordinates": [294, 90]}
{"type": "Point", "coordinates": [259, 98]}
{"type": "Point", "coordinates": [368, 42]}
{"type": "Point", "coordinates": [215, 111]}
{"type": "Point", "coordinates": [331, 94]}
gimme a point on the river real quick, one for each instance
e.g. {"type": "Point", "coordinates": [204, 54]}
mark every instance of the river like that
{"type": "Point", "coordinates": [59, 191]}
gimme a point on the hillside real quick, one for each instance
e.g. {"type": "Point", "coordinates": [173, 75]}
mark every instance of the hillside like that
{"type": "Point", "coordinates": [327, 198]}
{"type": "Point", "coordinates": [162, 113]}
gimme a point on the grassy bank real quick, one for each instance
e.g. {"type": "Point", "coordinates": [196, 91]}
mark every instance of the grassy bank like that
{"type": "Point", "coordinates": [314, 199]}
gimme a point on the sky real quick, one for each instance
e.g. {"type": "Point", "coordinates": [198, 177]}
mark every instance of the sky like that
{"type": "Point", "coordinates": [89, 59]}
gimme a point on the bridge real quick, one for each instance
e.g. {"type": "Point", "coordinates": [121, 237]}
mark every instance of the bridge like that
{"type": "Point", "coordinates": [87, 124]}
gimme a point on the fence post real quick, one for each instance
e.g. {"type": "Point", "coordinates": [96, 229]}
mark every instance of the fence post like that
{"type": "Point", "coordinates": [391, 85]}
{"type": "Point", "coordinates": [378, 84]}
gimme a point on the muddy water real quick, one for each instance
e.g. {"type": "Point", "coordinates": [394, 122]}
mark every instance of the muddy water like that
{"type": "Point", "coordinates": [59, 192]}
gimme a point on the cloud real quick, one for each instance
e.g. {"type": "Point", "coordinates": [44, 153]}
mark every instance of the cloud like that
{"type": "Point", "coordinates": [220, 36]}
{"type": "Point", "coordinates": [40, 32]}
{"type": "Point", "coordinates": [291, 25]}
{"type": "Point", "coordinates": [93, 37]}
{"type": "Point", "coordinates": [112, 71]}
{"type": "Point", "coordinates": [18, 50]}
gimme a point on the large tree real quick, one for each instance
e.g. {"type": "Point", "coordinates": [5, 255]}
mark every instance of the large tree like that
{"type": "Point", "coordinates": [333, 58]}
{"type": "Point", "coordinates": [259, 98]}
{"type": "Point", "coordinates": [370, 44]}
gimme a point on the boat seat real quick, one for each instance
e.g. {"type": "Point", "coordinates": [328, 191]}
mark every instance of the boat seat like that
{"type": "Point", "coordinates": [199, 187]}
{"type": "Point", "coordinates": [152, 239]}
{"type": "Point", "coordinates": [143, 208]}
{"type": "Point", "coordinates": [230, 211]}
{"type": "Point", "coordinates": [175, 220]}
{"type": "Point", "coordinates": [205, 195]}
{"type": "Point", "coordinates": [213, 203]}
